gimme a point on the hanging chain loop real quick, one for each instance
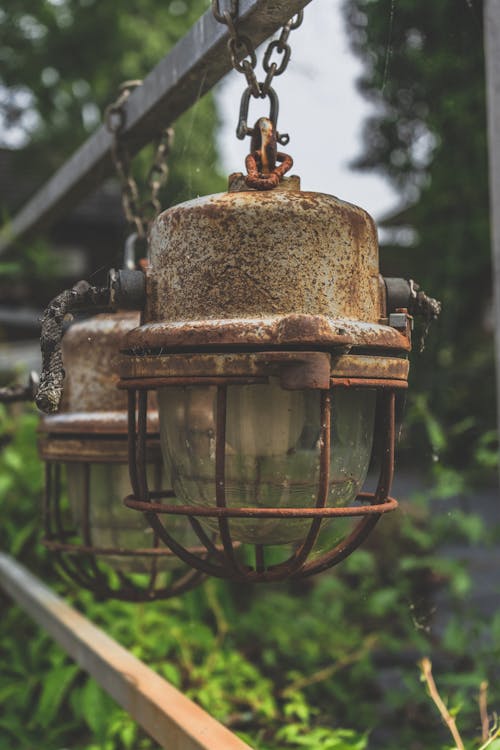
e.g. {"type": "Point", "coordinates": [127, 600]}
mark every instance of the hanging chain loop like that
{"type": "Point", "coordinates": [266, 166]}
{"type": "Point", "coordinates": [243, 128]}
{"type": "Point", "coordinates": [221, 16]}
{"type": "Point", "coordinates": [139, 214]}
{"type": "Point", "coordinates": [244, 60]}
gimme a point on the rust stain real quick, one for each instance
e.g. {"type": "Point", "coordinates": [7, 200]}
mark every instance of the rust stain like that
{"type": "Point", "coordinates": [90, 351]}
{"type": "Point", "coordinates": [250, 253]}
{"type": "Point", "coordinates": [278, 330]}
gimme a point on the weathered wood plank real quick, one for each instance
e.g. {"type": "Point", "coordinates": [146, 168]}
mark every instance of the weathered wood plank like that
{"type": "Point", "coordinates": [169, 717]}
{"type": "Point", "coordinates": [191, 68]}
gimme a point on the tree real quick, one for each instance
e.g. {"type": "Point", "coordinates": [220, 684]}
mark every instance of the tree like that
{"type": "Point", "coordinates": [424, 74]}
{"type": "Point", "coordinates": [62, 62]}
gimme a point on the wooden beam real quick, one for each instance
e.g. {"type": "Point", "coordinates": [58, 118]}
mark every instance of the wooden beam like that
{"type": "Point", "coordinates": [492, 55]}
{"type": "Point", "coordinates": [174, 721]}
{"type": "Point", "coordinates": [196, 63]}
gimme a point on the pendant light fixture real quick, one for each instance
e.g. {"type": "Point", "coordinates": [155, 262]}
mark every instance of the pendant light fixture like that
{"type": "Point", "coordinates": [276, 356]}
{"type": "Point", "coordinates": [96, 541]}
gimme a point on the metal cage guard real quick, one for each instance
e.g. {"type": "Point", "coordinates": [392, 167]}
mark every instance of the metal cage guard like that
{"type": "Point", "coordinates": [224, 563]}
{"type": "Point", "coordinates": [79, 559]}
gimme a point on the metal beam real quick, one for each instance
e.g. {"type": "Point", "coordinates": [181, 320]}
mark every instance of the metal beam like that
{"type": "Point", "coordinates": [169, 717]}
{"type": "Point", "coordinates": [492, 55]}
{"type": "Point", "coordinates": [192, 68]}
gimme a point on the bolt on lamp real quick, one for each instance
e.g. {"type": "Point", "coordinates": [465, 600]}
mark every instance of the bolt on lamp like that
{"type": "Point", "coordinates": [276, 353]}
{"type": "Point", "coordinates": [97, 542]}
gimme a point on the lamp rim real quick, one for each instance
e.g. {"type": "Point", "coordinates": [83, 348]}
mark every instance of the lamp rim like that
{"type": "Point", "coordinates": [277, 330]}
{"type": "Point", "coordinates": [296, 370]}
{"type": "Point", "coordinates": [346, 511]}
{"type": "Point", "coordinates": [89, 423]}
{"type": "Point", "coordinates": [92, 449]}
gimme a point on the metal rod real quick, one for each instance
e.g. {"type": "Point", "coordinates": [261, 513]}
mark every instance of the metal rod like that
{"type": "Point", "coordinates": [324, 477]}
{"type": "Point", "coordinates": [169, 717]}
{"type": "Point", "coordinates": [47, 501]}
{"type": "Point", "coordinates": [388, 432]}
{"type": "Point", "coordinates": [157, 468]}
{"type": "Point", "coordinates": [196, 63]}
{"type": "Point", "coordinates": [492, 59]}
{"type": "Point", "coordinates": [381, 495]}
{"type": "Point", "coordinates": [132, 443]}
{"type": "Point", "coordinates": [194, 511]}
{"type": "Point", "coordinates": [260, 560]}
{"type": "Point", "coordinates": [220, 474]}
{"type": "Point", "coordinates": [85, 511]}
{"type": "Point", "coordinates": [55, 500]}
{"type": "Point", "coordinates": [142, 428]}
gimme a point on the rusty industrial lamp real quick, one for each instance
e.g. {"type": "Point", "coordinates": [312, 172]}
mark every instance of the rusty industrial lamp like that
{"type": "Point", "coordinates": [271, 348]}
{"type": "Point", "coordinates": [276, 353]}
{"type": "Point", "coordinates": [97, 542]}
{"type": "Point", "coordinates": [272, 354]}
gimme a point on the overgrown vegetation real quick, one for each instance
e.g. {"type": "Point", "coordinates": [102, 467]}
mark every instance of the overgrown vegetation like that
{"type": "Point", "coordinates": [54, 89]}
{"type": "Point", "coordinates": [423, 72]}
{"type": "Point", "coordinates": [330, 663]}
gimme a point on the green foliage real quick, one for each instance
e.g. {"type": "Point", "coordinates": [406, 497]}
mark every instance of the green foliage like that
{"type": "Point", "coordinates": [296, 735]}
{"type": "Point", "coordinates": [49, 54]}
{"type": "Point", "coordinates": [423, 70]}
{"type": "Point", "coordinates": [55, 86]}
{"type": "Point", "coordinates": [286, 667]}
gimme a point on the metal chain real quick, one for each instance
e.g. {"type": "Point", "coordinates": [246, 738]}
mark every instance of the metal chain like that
{"type": "Point", "coordinates": [426, 307]}
{"type": "Point", "coordinates": [138, 214]}
{"type": "Point", "coordinates": [282, 48]}
{"type": "Point", "coordinates": [244, 58]}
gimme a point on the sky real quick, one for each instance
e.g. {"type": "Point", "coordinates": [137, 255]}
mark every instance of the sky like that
{"type": "Point", "coordinates": [319, 107]}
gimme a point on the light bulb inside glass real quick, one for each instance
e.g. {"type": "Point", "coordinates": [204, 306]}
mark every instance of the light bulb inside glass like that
{"type": "Point", "coordinates": [272, 451]}
{"type": "Point", "coordinates": [111, 524]}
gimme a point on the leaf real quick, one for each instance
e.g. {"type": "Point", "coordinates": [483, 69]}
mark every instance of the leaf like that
{"type": "Point", "coordinates": [95, 705]}
{"type": "Point", "coordinates": [55, 687]}
{"type": "Point", "coordinates": [22, 537]}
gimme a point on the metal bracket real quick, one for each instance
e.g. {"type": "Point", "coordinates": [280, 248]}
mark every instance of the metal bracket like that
{"type": "Point", "coordinates": [127, 289]}
{"type": "Point", "coordinates": [243, 130]}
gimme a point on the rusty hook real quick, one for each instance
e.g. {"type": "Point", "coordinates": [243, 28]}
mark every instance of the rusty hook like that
{"type": "Point", "coordinates": [263, 173]}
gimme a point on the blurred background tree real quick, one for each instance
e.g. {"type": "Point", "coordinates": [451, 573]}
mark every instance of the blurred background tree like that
{"type": "Point", "coordinates": [61, 64]}
{"type": "Point", "coordinates": [424, 75]}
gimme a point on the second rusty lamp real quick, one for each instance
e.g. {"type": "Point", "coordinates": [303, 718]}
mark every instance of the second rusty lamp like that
{"type": "Point", "coordinates": [95, 540]}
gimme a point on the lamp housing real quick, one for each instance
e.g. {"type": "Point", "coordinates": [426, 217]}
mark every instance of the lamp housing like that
{"type": "Point", "coordinates": [266, 342]}
{"type": "Point", "coordinates": [97, 542]}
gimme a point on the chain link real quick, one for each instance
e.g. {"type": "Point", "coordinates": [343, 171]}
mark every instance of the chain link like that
{"type": "Point", "coordinates": [244, 59]}
{"type": "Point", "coordinates": [220, 16]}
{"type": "Point", "coordinates": [138, 214]}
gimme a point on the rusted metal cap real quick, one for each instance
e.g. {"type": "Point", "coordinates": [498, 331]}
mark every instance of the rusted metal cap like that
{"type": "Point", "coordinates": [90, 350]}
{"type": "Point", "coordinates": [92, 404]}
{"type": "Point", "coordinates": [277, 268]}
